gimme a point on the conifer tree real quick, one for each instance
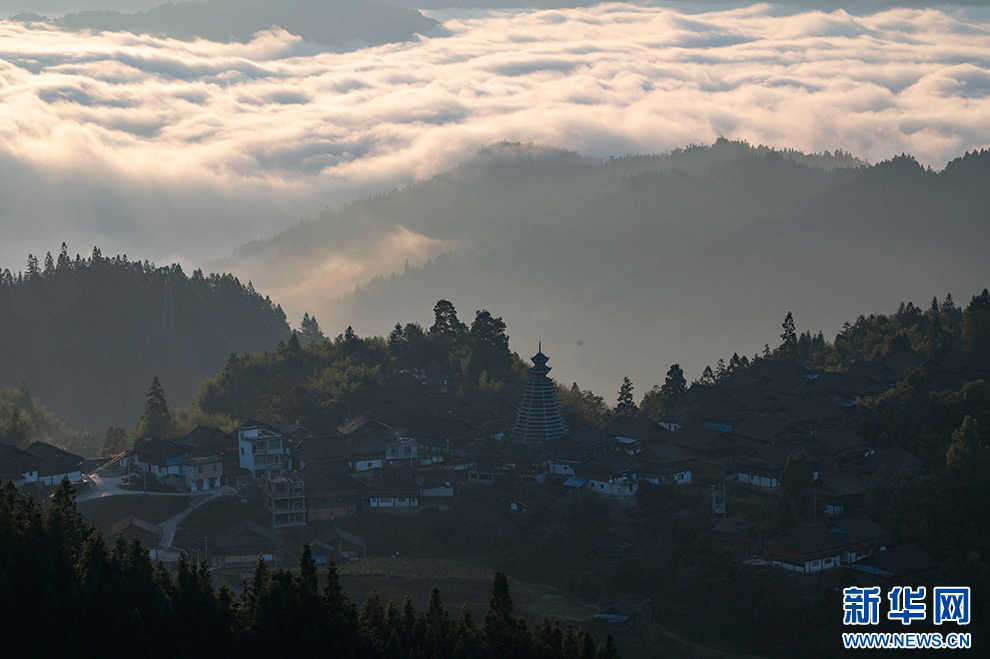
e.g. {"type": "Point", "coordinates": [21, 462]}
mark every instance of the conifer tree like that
{"type": "Point", "coordinates": [309, 330]}
{"type": "Point", "coordinates": [626, 405]}
{"type": "Point", "coordinates": [500, 620]}
{"type": "Point", "coordinates": [976, 323]}
{"type": "Point", "coordinates": [33, 272]}
{"type": "Point", "coordinates": [788, 346]}
{"type": "Point", "coordinates": [156, 420]}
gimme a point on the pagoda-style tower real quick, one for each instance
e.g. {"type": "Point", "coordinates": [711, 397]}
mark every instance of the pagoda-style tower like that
{"type": "Point", "coordinates": [540, 418]}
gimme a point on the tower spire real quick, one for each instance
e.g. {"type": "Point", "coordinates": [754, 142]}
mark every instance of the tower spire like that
{"type": "Point", "coordinates": [540, 417]}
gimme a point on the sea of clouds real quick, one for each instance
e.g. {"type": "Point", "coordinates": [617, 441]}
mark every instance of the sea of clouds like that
{"type": "Point", "coordinates": [170, 149]}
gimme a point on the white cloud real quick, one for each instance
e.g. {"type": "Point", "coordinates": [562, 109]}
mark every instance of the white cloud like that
{"type": "Point", "coordinates": [143, 143]}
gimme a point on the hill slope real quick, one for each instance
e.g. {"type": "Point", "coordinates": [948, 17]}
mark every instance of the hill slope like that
{"type": "Point", "coordinates": [626, 266]}
{"type": "Point", "coordinates": [88, 335]}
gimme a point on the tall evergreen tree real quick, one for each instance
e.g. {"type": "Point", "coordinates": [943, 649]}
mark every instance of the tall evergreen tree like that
{"type": "Point", "coordinates": [626, 405]}
{"type": "Point", "coordinates": [309, 330]}
{"type": "Point", "coordinates": [489, 344]}
{"type": "Point", "coordinates": [674, 385]}
{"type": "Point", "coordinates": [156, 420]}
{"type": "Point", "coordinates": [788, 345]}
{"type": "Point", "coordinates": [976, 323]}
{"type": "Point", "coordinates": [446, 326]}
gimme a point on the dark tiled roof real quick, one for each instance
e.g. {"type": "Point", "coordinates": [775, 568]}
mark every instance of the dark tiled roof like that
{"type": "Point", "coordinates": [960, 360]}
{"type": "Point", "coordinates": [246, 534]}
{"type": "Point", "coordinates": [634, 427]}
{"type": "Point", "coordinates": [837, 440]}
{"type": "Point", "coordinates": [15, 461]}
{"type": "Point", "coordinates": [330, 538]}
{"type": "Point", "coordinates": [891, 459]}
{"type": "Point", "coordinates": [840, 483]}
{"type": "Point", "coordinates": [762, 429]}
{"type": "Point", "coordinates": [773, 457]}
{"type": "Point", "coordinates": [664, 454]}
{"type": "Point", "coordinates": [861, 528]}
{"type": "Point", "coordinates": [585, 437]}
{"type": "Point", "coordinates": [159, 448]}
{"type": "Point", "coordinates": [899, 562]}
{"type": "Point", "coordinates": [613, 462]}
{"type": "Point", "coordinates": [326, 448]}
{"type": "Point", "coordinates": [694, 436]}
{"type": "Point", "coordinates": [132, 525]}
{"type": "Point", "coordinates": [867, 369]}
{"type": "Point", "coordinates": [206, 439]}
{"type": "Point", "coordinates": [252, 423]}
{"type": "Point", "coordinates": [822, 410]}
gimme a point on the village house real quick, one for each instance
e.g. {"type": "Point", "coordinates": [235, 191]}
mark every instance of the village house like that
{"type": "Point", "coordinates": [816, 547]}
{"type": "Point", "coordinates": [613, 473]}
{"type": "Point", "coordinates": [194, 462]}
{"type": "Point", "coordinates": [262, 447]}
{"type": "Point", "coordinates": [285, 498]}
{"type": "Point", "coordinates": [337, 545]}
{"type": "Point", "coordinates": [666, 464]}
{"type": "Point", "coordinates": [39, 463]}
{"type": "Point", "coordinates": [241, 545]}
{"type": "Point", "coordinates": [393, 490]}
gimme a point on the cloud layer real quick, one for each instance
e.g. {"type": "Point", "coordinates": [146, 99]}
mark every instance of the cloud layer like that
{"type": "Point", "coordinates": [175, 149]}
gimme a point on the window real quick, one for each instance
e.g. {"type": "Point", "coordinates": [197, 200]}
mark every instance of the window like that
{"type": "Point", "coordinates": [274, 444]}
{"type": "Point", "coordinates": [259, 459]}
{"type": "Point", "coordinates": [242, 450]}
{"type": "Point", "coordinates": [199, 470]}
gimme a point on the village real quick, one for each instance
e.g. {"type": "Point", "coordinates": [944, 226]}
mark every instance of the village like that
{"type": "Point", "coordinates": [418, 446]}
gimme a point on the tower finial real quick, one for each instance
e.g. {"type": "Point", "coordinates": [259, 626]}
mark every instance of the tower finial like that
{"type": "Point", "coordinates": [540, 345]}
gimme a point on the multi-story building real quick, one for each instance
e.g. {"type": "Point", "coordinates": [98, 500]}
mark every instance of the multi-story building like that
{"type": "Point", "coordinates": [285, 499]}
{"type": "Point", "coordinates": [261, 447]}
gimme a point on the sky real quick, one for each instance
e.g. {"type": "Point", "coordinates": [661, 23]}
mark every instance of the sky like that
{"type": "Point", "coordinates": [172, 150]}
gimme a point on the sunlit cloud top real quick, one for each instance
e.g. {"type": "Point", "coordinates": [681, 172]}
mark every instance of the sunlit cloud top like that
{"type": "Point", "coordinates": [245, 136]}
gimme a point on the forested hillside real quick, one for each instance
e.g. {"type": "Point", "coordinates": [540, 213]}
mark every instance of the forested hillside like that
{"type": "Point", "coordinates": [88, 335]}
{"type": "Point", "coordinates": [66, 593]}
{"type": "Point", "coordinates": [627, 265]}
{"type": "Point", "coordinates": [325, 381]}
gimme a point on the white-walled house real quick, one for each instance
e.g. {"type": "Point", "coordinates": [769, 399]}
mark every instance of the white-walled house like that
{"type": "Point", "coordinates": [261, 447]}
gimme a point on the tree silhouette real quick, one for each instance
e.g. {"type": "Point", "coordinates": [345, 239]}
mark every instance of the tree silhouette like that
{"type": "Point", "coordinates": [788, 346]}
{"type": "Point", "coordinates": [626, 405]}
{"type": "Point", "coordinates": [156, 420]}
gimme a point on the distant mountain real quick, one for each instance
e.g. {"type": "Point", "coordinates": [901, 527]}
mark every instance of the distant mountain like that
{"type": "Point", "coordinates": [88, 335]}
{"type": "Point", "coordinates": [329, 22]}
{"type": "Point", "coordinates": [853, 6]}
{"type": "Point", "coordinates": [628, 265]}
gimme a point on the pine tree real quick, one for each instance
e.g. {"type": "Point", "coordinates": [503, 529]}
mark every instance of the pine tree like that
{"type": "Point", "coordinates": [49, 265]}
{"type": "Point", "coordinates": [33, 272]}
{"type": "Point", "coordinates": [626, 405]}
{"type": "Point", "coordinates": [788, 346]}
{"type": "Point", "coordinates": [976, 323]}
{"type": "Point", "coordinates": [500, 620]}
{"type": "Point", "coordinates": [489, 344]}
{"type": "Point", "coordinates": [446, 326]}
{"type": "Point", "coordinates": [64, 262]}
{"type": "Point", "coordinates": [156, 420]}
{"type": "Point", "coordinates": [309, 330]}
{"type": "Point", "coordinates": [674, 385]}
